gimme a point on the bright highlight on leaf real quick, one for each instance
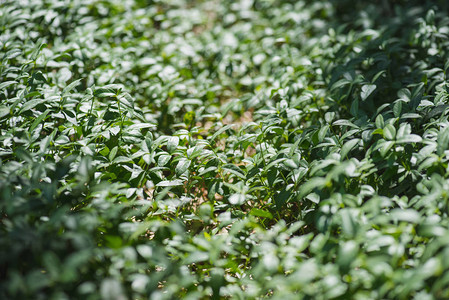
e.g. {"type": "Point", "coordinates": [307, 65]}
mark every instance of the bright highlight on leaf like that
{"type": "Point", "coordinates": [367, 90]}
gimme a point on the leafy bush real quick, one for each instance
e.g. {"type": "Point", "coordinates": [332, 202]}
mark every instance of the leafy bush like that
{"type": "Point", "coordinates": [224, 149]}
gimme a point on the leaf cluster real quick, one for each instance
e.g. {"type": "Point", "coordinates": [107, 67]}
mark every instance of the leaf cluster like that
{"type": "Point", "coordinates": [224, 149]}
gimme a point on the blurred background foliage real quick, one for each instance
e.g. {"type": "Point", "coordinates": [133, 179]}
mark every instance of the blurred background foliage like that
{"type": "Point", "coordinates": [224, 149]}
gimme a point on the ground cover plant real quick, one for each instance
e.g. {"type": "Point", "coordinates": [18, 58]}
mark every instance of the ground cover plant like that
{"type": "Point", "coordinates": [224, 149]}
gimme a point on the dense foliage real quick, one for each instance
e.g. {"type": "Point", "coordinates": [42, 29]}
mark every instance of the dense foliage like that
{"type": "Point", "coordinates": [224, 149]}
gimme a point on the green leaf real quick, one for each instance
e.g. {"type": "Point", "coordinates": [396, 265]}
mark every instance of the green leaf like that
{"type": "Point", "coordinates": [340, 83]}
{"type": "Point", "coordinates": [261, 213]}
{"type": "Point", "coordinates": [106, 91]}
{"type": "Point", "coordinates": [348, 146]}
{"type": "Point", "coordinates": [220, 131]}
{"type": "Point", "coordinates": [113, 153]}
{"type": "Point", "coordinates": [348, 224]}
{"type": "Point", "coordinates": [39, 76]}
{"type": "Point", "coordinates": [112, 288]}
{"type": "Point", "coordinates": [237, 199]}
{"type": "Point", "coordinates": [389, 132]}
{"type": "Point", "coordinates": [380, 122]}
{"type": "Point", "coordinates": [167, 183]}
{"type": "Point", "coordinates": [12, 54]}
{"type": "Point", "coordinates": [385, 147]}
{"type": "Point", "coordinates": [347, 253]}
{"type": "Point", "coordinates": [182, 166]}
{"type": "Point", "coordinates": [196, 257]}
{"type": "Point", "coordinates": [39, 119]}
{"type": "Point", "coordinates": [411, 138]}
{"type": "Point", "coordinates": [4, 111]}
{"type": "Point", "coordinates": [163, 159]}
{"type": "Point", "coordinates": [406, 215]}
{"type": "Point", "coordinates": [121, 159]}
{"type": "Point", "coordinates": [322, 133]}
{"type": "Point", "coordinates": [378, 75]}
{"type": "Point", "coordinates": [397, 108]}
{"type": "Point", "coordinates": [6, 84]}
{"type": "Point", "coordinates": [31, 104]}
{"type": "Point", "coordinates": [443, 141]}
{"type": "Point", "coordinates": [71, 86]}
{"type": "Point", "coordinates": [367, 90]}
{"type": "Point", "coordinates": [282, 198]}
{"type": "Point", "coordinates": [172, 143]}
{"type": "Point", "coordinates": [310, 185]}
{"type": "Point", "coordinates": [345, 123]}
{"type": "Point", "coordinates": [234, 170]}
{"type": "Point", "coordinates": [140, 126]}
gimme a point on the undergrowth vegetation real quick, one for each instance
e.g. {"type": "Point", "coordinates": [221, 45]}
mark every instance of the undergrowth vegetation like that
{"type": "Point", "coordinates": [224, 149]}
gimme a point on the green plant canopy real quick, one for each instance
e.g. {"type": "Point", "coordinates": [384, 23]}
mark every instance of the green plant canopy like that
{"type": "Point", "coordinates": [213, 149]}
